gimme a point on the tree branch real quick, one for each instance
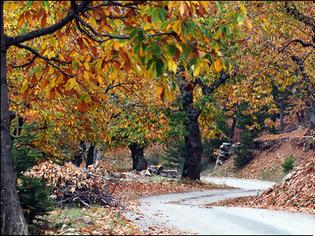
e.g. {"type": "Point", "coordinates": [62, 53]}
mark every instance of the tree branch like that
{"type": "Point", "coordinates": [108, 36]}
{"type": "Point", "coordinates": [304, 44]}
{"type": "Point", "coordinates": [50, 29]}
{"type": "Point", "coordinates": [206, 89]}
{"type": "Point", "coordinates": [47, 60]}
{"type": "Point", "coordinates": [25, 64]}
{"type": "Point", "coordinates": [307, 20]}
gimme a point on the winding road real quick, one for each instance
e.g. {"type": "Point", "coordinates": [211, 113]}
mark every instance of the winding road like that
{"type": "Point", "coordinates": [185, 212]}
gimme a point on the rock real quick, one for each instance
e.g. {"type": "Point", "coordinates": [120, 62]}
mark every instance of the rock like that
{"type": "Point", "coordinates": [116, 175]}
{"type": "Point", "coordinates": [168, 173]}
{"type": "Point", "coordinates": [145, 173]}
{"type": "Point", "coordinates": [154, 169]}
{"type": "Point", "coordinates": [224, 153]}
{"type": "Point", "coordinates": [225, 147]}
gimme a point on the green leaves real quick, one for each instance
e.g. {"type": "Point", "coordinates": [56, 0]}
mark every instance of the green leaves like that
{"type": "Point", "coordinates": [75, 65]}
{"type": "Point", "coordinates": [157, 14]}
{"type": "Point", "coordinates": [239, 18]}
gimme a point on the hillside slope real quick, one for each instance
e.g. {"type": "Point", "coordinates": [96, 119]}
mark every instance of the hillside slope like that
{"type": "Point", "coordinates": [272, 150]}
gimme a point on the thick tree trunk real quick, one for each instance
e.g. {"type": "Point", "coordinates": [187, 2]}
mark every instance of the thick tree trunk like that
{"type": "Point", "coordinates": [12, 219]}
{"type": "Point", "coordinates": [193, 145]}
{"type": "Point", "coordinates": [139, 163]}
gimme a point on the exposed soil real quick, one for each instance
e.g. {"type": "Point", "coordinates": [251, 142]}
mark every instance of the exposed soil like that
{"type": "Point", "coordinates": [266, 164]}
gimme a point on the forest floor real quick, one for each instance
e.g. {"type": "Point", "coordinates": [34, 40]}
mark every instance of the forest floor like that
{"type": "Point", "coordinates": [111, 220]}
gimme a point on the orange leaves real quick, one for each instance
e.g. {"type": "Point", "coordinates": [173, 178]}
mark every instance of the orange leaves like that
{"type": "Point", "coordinates": [43, 22]}
{"type": "Point", "coordinates": [83, 107]}
{"type": "Point", "coordinates": [218, 66]}
{"type": "Point", "coordinates": [127, 62]}
{"type": "Point", "coordinates": [183, 10]}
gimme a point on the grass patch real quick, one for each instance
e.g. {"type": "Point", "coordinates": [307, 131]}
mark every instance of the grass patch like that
{"type": "Point", "coordinates": [94, 220]}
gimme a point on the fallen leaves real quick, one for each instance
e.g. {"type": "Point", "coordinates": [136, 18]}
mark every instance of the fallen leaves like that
{"type": "Point", "coordinates": [295, 193]}
{"type": "Point", "coordinates": [72, 184]}
{"type": "Point", "coordinates": [95, 221]}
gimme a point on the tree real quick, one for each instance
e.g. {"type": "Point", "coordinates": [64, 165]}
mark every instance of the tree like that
{"type": "Point", "coordinates": [139, 32]}
{"type": "Point", "coordinates": [139, 120]}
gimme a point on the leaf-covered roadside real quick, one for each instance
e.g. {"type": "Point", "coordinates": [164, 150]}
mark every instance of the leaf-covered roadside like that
{"type": "Point", "coordinates": [295, 193]}
{"type": "Point", "coordinates": [71, 184]}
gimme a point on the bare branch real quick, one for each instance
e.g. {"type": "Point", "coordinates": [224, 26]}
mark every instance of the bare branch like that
{"type": "Point", "coordinates": [304, 44]}
{"type": "Point", "coordinates": [25, 64]}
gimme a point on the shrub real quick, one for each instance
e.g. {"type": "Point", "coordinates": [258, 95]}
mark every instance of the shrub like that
{"type": "Point", "coordinates": [34, 198]}
{"type": "Point", "coordinates": [244, 150]}
{"type": "Point", "coordinates": [288, 163]}
{"type": "Point", "coordinates": [33, 193]}
{"type": "Point", "coordinates": [174, 155]}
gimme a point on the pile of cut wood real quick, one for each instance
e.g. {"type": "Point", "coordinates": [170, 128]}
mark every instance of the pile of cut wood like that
{"type": "Point", "coordinates": [72, 185]}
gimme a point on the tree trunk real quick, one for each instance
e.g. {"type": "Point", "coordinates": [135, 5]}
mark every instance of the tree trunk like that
{"type": "Point", "coordinates": [282, 125]}
{"type": "Point", "coordinates": [12, 218]}
{"type": "Point", "coordinates": [90, 155]}
{"type": "Point", "coordinates": [138, 161]}
{"type": "Point", "coordinates": [312, 114]}
{"type": "Point", "coordinates": [193, 145]}
{"type": "Point", "coordinates": [232, 129]}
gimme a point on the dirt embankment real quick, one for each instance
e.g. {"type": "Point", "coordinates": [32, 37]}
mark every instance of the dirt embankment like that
{"type": "Point", "coordinates": [272, 150]}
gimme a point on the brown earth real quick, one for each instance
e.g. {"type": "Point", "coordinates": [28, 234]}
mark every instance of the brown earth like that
{"type": "Point", "coordinates": [266, 164]}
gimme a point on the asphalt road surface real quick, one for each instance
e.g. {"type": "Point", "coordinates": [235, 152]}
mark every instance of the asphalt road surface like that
{"type": "Point", "coordinates": [185, 212]}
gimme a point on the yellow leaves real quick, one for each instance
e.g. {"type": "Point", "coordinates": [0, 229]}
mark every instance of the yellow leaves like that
{"type": "Point", "coordinates": [86, 76]}
{"type": "Point", "coordinates": [179, 47]}
{"type": "Point", "coordinates": [51, 70]}
{"type": "Point", "coordinates": [243, 9]}
{"type": "Point", "coordinates": [172, 65]}
{"type": "Point", "coordinates": [93, 23]}
{"type": "Point", "coordinates": [86, 66]}
{"type": "Point", "coordinates": [100, 79]}
{"type": "Point", "coordinates": [164, 92]}
{"type": "Point", "coordinates": [11, 6]}
{"type": "Point", "coordinates": [114, 74]}
{"type": "Point", "coordinates": [87, 99]}
{"type": "Point", "coordinates": [177, 27]}
{"type": "Point", "coordinates": [116, 45]}
{"type": "Point", "coordinates": [24, 87]}
{"type": "Point", "coordinates": [103, 97]}
{"type": "Point", "coordinates": [202, 65]}
{"type": "Point", "coordinates": [71, 84]}
{"type": "Point", "coordinates": [218, 66]}
{"type": "Point", "coordinates": [159, 91]}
